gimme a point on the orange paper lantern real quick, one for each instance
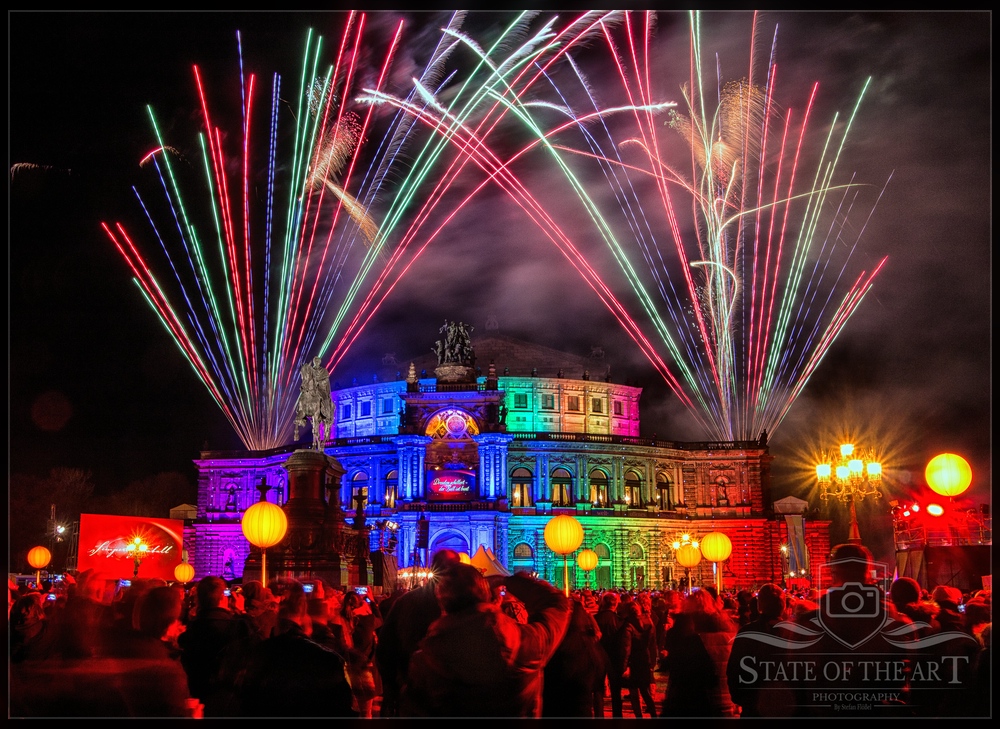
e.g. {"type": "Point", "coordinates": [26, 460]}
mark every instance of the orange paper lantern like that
{"type": "Point", "coordinates": [184, 572]}
{"type": "Point", "coordinates": [39, 558]}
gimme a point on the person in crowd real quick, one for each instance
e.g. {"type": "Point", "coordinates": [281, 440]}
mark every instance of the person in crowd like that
{"type": "Point", "coordinates": [616, 639]}
{"type": "Point", "coordinates": [86, 620]}
{"type": "Point", "coordinates": [574, 676]}
{"type": "Point", "coordinates": [698, 647]}
{"type": "Point", "coordinates": [136, 676]}
{"type": "Point", "coordinates": [204, 644]}
{"type": "Point", "coordinates": [757, 642]}
{"type": "Point", "coordinates": [904, 593]}
{"type": "Point", "coordinates": [32, 634]}
{"type": "Point", "coordinates": [746, 607]}
{"type": "Point", "coordinates": [361, 622]}
{"type": "Point", "coordinates": [403, 627]}
{"type": "Point", "coordinates": [642, 657]}
{"type": "Point", "coordinates": [290, 675]}
{"type": "Point", "coordinates": [947, 599]}
{"type": "Point", "coordinates": [477, 662]}
{"type": "Point", "coordinates": [157, 685]}
{"type": "Point", "coordinates": [260, 608]}
{"type": "Point", "coordinates": [978, 614]}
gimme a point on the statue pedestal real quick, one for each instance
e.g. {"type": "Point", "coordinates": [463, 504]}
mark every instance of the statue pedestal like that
{"type": "Point", "coordinates": [455, 373]}
{"type": "Point", "coordinates": [318, 543]}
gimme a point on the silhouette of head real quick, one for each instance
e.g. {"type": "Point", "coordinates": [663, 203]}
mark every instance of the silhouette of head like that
{"type": "Point", "coordinates": [460, 587]}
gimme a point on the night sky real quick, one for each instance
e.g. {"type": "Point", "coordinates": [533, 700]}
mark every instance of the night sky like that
{"type": "Point", "coordinates": [97, 383]}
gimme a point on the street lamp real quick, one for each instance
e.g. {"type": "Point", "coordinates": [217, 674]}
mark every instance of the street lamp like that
{"type": "Point", "coordinates": [137, 550]}
{"type": "Point", "coordinates": [850, 478]}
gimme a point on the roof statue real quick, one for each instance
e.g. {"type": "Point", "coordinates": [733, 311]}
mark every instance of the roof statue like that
{"type": "Point", "coordinates": [456, 346]}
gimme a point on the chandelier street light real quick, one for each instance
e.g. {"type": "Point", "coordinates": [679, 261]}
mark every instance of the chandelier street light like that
{"type": "Point", "coordinates": [137, 550]}
{"type": "Point", "coordinates": [850, 478]}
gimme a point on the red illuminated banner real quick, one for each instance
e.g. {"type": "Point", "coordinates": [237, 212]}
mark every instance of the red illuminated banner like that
{"type": "Point", "coordinates": [451, 485]}
{"type": "Point", "coordinates": [109, 544]}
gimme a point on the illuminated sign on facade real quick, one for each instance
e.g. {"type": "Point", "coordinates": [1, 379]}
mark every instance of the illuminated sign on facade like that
{"type": "Point", "coordinates": [109, 544]}
{"type": "Point", "coordinates": [451, 485]}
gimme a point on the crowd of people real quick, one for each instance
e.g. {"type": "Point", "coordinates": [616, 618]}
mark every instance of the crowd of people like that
{"type": "Point", "coordinates": [467, 645]}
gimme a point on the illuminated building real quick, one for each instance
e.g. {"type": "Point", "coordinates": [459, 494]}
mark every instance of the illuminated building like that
{"type": "Point", "coordinates": [486, 459]}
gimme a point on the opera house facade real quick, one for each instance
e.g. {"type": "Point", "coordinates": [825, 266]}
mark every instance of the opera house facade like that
{"type": "Point", "coordinates": [482, 451]}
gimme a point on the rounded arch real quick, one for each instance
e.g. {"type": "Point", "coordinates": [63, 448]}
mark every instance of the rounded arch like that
{"type": "Point", "coordinates": [636, 566]}
{"type": "Point", "coordinates": [521, 480]}
{"type": "Point", "coordinates": [633, 489]}
{"type": "Point", "coordinates": [390, 488]}
{"type": "Point", "coordinates": [562, 487]}
{"type": "Point", "coordinates": [451, 424]}
{"type": "Point", "coordinates": [599, 493]}
{"type": "Point", "coordinates": [523, 558]}
{"type": "Point", "coordinates": [664, 492]}
{"type": "Point", "coordinates": [603, 572]}
{"type": "Point", "coordinates": [449, 539]}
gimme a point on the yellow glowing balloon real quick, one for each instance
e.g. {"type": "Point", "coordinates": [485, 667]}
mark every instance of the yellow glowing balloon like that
{"type": "Point", "coordinates": [563, 534]}
{"type": "Point", "coordinates": [586, 560]}
{"type": "Point", "coordinates": [687, 556]}
{"type": "Point", "coordinates": [948, 474]}
{"type": "Point", "coordinates": [464, 558]}
{"type": "Point", "coordinates": [716, 547]}
{"type": "Point", "coordinates": [264, 524]}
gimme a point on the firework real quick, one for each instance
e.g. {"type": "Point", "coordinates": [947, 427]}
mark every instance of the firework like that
{"type": "Point", "coordinates": [279, 232]}
{"type": "Point", "coordinates": [737, 302]}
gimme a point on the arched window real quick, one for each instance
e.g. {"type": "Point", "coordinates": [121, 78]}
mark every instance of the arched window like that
{"type": "Point", "coordinates": [452, 424]}
{"type": "Point", "coordinates": [391, 489]}
{"type": "Point", "coordinates": [520, 487]}
{"type": "Point", "coordinates": [562, 487]}
{"type": "Point", "coordinates": [599, 488]}
{"type": "Point", "coordinates": [359, 489]}
{"type": "Point", "coordinates": [664, 493]}
{"type": "Point", "coordinates": [523, 559]}
{"type": "Point", "coordinates": [633, 490]}
{"type": "Point", "coordinates": [523, 551]}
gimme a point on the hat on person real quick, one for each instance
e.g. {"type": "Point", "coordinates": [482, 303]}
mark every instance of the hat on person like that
{"type": "Point", "coordinates": [770, 600]}
{"type": "Point", "coordinates": [946, 594]}
{"type": "Point", "coordinates": [904, 591]}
